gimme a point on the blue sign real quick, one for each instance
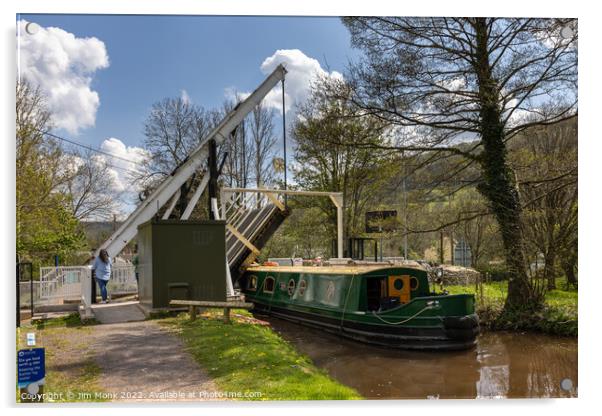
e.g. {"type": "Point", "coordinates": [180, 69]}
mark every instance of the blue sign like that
{"type": "Point", "coordinates": [31, 366]}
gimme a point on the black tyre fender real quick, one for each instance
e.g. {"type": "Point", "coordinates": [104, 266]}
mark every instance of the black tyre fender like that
{"type": "Point", "coordinates": [462, 334]}
{"type": "Point", "coordinates": [461, 322]}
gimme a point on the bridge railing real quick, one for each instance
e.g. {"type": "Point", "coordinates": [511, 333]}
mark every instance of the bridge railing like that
{"type": "Point", "coordinates": [64, 283]}
{"type": "Point", "coordinates": [61, 283]}
{"type": "Point", "coordinates": [123, 280]}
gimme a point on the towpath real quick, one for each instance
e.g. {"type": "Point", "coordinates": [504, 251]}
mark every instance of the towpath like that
{"type": "Point", "coordinates": [141, 361]}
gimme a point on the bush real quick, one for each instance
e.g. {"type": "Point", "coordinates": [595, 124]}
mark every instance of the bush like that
{"type": "Point", "coordinates": [494, 273]}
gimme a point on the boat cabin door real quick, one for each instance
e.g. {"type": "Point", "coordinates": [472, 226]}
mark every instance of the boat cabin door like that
{"type": "Point", "coordinates": [399, 286]}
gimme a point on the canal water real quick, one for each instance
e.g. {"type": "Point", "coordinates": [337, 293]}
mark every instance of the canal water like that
{"type": "Point", "coordinates": [504, 364]}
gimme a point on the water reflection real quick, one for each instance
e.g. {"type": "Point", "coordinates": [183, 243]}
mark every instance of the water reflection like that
{"type": "Point", "coordinates": [502, 365]}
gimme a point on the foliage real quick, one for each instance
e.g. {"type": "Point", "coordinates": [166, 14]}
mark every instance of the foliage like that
{"type": "Point", "coordinates": [558, 316]}
{"type": "Point", "coordinates": [45, 223]}
{"type": "Point", "coordinates": [244, 357]}
{"type": "Point", "coordinates": [438, 81]}
{"type": "Point", "coordinates": [326, 158]}
{"type": "Point", "coordinates": [305, 233]}
{"type": "Point", "coordinates": [494, 272]}
{"type": "Point", "coordinates": [545, 161]}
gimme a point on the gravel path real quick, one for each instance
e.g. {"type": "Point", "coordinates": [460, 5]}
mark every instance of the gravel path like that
{"type": "Point", "coordinates": [141, 361]}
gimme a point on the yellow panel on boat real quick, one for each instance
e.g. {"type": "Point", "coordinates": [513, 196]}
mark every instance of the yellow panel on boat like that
{"type": "Point", "coordinates": [399, 286]}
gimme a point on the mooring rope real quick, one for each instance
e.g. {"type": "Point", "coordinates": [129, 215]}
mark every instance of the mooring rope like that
{"type": "Point", "coordinates": [405, 320]}
{"type": "Point", "coordinates": [345, 305]}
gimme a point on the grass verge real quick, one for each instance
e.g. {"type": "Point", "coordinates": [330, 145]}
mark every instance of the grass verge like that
{"type": "Point", "coordinates": [247, 358]}
{"type": "Point", "coordinates": [558, 317]}
{"type": "Point", "coordinates": [71, 372]}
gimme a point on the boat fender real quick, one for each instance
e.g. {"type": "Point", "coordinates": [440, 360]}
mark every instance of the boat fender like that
{"type": "Point", "coordinates": [270, 263]}
{"type": "Point", "coordinates": [461, 322]}
{"type": "Point", "coordinates": [462, 334]}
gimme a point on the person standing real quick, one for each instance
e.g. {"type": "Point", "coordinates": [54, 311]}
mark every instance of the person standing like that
{"type": "Point", "coordinates": [136, 262]}
{"type": "Point", "coordinates": [102, 273]}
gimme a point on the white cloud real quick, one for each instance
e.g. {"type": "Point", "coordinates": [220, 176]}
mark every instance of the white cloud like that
{"type": "Point", "coordinates": [63, 66]}
{"type": "Point", "coordinates": [302, 70]}
{"type": "Point", "coordinates": [126, 163]}
{"type": "Point", "coordinates": [232, 94]}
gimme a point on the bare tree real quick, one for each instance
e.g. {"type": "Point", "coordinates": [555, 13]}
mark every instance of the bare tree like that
{"type": "Point", "coordinates": [90, 187]}
{"type": "Point", "coordinates": [238, 166]}
{"type": "Point", "coordinates": [438, 81]}
{"type": "Point", "coordinates": [263, 142]}
{"type": "Point", "coordinates": [173, 129]}
{"type": "Point", "coordinates": [546, 166]}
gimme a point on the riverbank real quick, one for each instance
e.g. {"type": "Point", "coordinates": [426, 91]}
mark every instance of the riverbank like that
{"type": "Point", "coordinates": [558, 317]}
{"type": "Point", "coordinates": [252, 361]}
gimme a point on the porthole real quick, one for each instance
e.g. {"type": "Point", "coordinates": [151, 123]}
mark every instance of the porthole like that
{"type": "Point", "coordinates": [291, 287]}
{"type": "Point", "coordinates": [398, 284]}
{"type": "Point", "coordinates": [252, 283]}
{"type": "Point", "coordinates": [268, 284]}
{"type": "Point", "coordinates": [413, 283]}
{"type": "Point", "coordinates": [302, 287]}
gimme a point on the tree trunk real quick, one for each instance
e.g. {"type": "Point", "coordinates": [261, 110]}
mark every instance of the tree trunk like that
{"type": "Point", "coordinates": [568, 266]}
{"type": "Point", "coordinates": [498, 182]}
{"type": "Point", "coordinates": [549, 269]}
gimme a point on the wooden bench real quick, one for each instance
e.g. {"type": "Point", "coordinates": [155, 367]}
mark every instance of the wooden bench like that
{"type": "Point", "coordinates": [193, 305]}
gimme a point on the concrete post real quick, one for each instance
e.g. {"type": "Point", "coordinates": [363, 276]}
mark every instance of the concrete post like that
{"type": "Point", "coordinates": [337, 200]}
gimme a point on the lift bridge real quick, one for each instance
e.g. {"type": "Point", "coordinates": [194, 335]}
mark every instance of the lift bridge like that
{"type": "Point", "coordinates": [252, 215]}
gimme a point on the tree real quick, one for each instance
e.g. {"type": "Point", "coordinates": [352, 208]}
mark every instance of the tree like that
{"type": "Point", "coordinates": [479, 232]}
{"type": "Point", "coordinates": [325, 162]}
{"type": "Point", "coordinates": [440, 81]}
{"type": "Point", "coordinates": [545, 162]}
{"type": "Point", "coordinates": [90, 187]}
{"type": "Point", "coordinates": [263, 142]}
{"type": "Point", "coordinates": [173, 129]}
{"type": "Point", "coordinates": [303, 234]}
{"type": "Point", "coordinates": [239, 148]}
{"type": "Point", "coordinates": [45, 225]}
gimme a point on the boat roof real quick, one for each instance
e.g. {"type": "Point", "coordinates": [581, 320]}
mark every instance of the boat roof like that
{"type": "Point", "coordinates": [343, 269]}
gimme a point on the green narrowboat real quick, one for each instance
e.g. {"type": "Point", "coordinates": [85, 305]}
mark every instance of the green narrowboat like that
{"type": "Point", "coordinates": [378, 304]}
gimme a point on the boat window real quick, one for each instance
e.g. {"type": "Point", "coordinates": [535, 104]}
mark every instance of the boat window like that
{"type": "Point", "coordinates": [252, 283]}
{"type": "Point", "coordinates": [268, 284]}
{"type": "Point", "coordinates": [398, 284]}
{"type": "Point", "coordinates": [291, 287]}
{"type": "Point", "coordinates": [302, 287]}
{"type": "Point", "coordinates": [413, 283]}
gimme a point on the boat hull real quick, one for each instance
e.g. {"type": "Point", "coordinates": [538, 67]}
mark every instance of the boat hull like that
{"type": "Point", "coordinates": [388, 306]}
{"type": "Point", "coordinates": [410, 338]}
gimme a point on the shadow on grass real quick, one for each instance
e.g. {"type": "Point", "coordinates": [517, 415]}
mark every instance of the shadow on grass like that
{"type": "Point", "coordinates": [247, 358]}
{"type": "Point", "coordinates": [70, 321]}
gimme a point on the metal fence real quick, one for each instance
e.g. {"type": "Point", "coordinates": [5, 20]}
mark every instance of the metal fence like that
{"type": "Point", "coordinates": [27, 290]}
{"type": "Point", "coordinates": [123, 280]}
{"type": "Point", "coordinates": [64, 283]}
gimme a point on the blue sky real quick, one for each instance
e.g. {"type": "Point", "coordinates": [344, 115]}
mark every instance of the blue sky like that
{"type": "Point", "coordinates": [152, 57]}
